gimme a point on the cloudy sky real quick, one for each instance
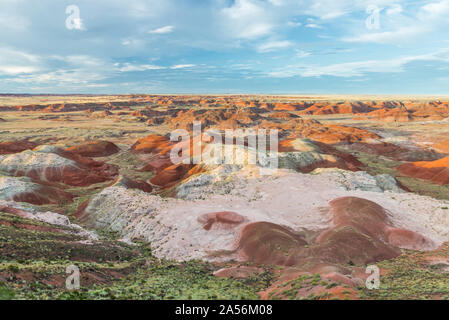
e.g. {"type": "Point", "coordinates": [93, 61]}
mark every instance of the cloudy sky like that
{"type": "Point", "coordinates": [225, 46]}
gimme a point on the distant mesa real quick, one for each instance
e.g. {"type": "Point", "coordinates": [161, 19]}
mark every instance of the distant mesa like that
{"type": "Point", "coordinates": [430, 111]}
{"type": "Point", "coordinates": [338, 108]}
{"type": "Point", "coordinates": [282, 115]}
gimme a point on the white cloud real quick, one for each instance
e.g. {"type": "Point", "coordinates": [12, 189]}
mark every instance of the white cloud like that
{"type": "Point", "coordinates": [14, 70]}
{"type": "Point", "coordinates": [13, 22]}
{"type": "Point", "coordinates": [162, 30]}
{"type": "Point", "coordinates": [276, 2]}
{"type": "Point", "coordinates": [132, 42]}
{"type": "Point", "coordinates": [128, 67]}
{"type": "Point", "coordinates": [14, 62]}
{"type": "Point", "coordinates": [395, 9]}
{"type": "Point", "coordinates": [247, 19]}
{"type": "Point", "coordinates": [294, 24]}
{"type": "Point", "coordinates": [314, 26]}
{"type": "Point", "coordinates": [76, 70]}
{"type": "Point", "coordinates": [274, 45]}
{"type": "Point", "coordinates": [61, 77]}
{"type": "Point", "coordinates": [302, 54]}
{"type": "Point", "coordinates": [401, 34]}
{"type": "Point", "coordinates": [358, 68]}
{"type": "Point", "coordinates": [434, 10]}
{"type": "Point", "coordinates": [332, 9]}
{"type": "Point", "coordinates": [182, 66]}
{"type": "Point", "coordinates": [398, 26]}
{"type": "Point", "coordinates": [80, 60]}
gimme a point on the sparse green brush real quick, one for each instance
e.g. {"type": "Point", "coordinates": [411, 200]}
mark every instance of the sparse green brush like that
{"type": "Point", "coordinates": [165, 280]}
{"type": "Point", "coordinates": [6, 293]}
{"type": "Point", "coordinates": [34, 262]}
{"type": "Point", "coordinates": [407, 279]}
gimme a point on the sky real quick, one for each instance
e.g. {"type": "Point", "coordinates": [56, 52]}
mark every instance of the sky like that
{"type": "Point", "coordinates": [225, 46]}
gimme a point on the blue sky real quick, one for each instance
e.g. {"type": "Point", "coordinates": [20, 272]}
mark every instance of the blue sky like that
{"type": "Point", "coordinates": [224, 46]}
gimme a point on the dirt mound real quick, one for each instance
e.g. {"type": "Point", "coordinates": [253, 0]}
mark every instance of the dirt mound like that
{"type": "Point", "coordinates": [23, 190]}
{"type": "Point", "coordinates": [238, 272]}
{"type": "Point", "coordinates": [317, 155]}
{"type": "Point", "coordinates": [171, 175]}
{"type": "Point", "coordinates": [16, 146]}
{"type": "Point", "coordinates": [152, 144]}
{"type": "Point", "coordinates": [220, 220]}
{"type": "Point", "coordinates": [282, 115]}
{"type": "Point", "coordinates": [98, 148]}
{"type": "Point", "coordinates": [158, 164]}
{"type": "Point", "coordinates": [133, 184]}
{"type": "Point", "coordinates": [48, 164]}
{"type": "Point", "coordinates": [436, 171]}
{"type": "Point", "coordinates": [339, 108]}
{"type": "Point", "coordinates": [269, 243]}
{"type": "Point", "coordinates": [158, 149]}
{"type": "Point", "coordinates": [409, 112]}
{"type": "Point", "coordinates": [388, 115]}
{"type": "Point", "coordinates": [147, 113]}
{"type": "Point", "coordinates": [336, 133]}
{"type": "Point", "coordinates": [361, 234]}
{"type": "Point", "coordinates": [288, 106]}
{"type": "Point", "coordinates": [435, 110]}
{"type": "Point", "coordinates": [221, 118]}
{"type": "Point", "coordinates": [74, 107]}
{"type": "Point", "coordinates": [315, 130]}
{"type": "Point", "coordinates": [331, 134]}
{"type": "Point", "coordinates": [185, 118]}
{"type": "Point", "coordinates": [294, 284]}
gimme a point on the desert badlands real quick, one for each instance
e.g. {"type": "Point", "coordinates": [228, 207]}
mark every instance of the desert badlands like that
{"type": "Point", "coordinates": [360, 184]}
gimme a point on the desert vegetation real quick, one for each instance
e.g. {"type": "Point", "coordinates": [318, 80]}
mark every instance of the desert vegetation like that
{"type": "Point", "coordinates": [89, 181]}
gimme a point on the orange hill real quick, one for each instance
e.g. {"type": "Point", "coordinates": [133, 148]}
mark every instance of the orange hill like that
{"type": "Point", "coordinates": [435, 171]}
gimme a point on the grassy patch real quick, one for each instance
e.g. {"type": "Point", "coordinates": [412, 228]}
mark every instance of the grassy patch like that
{"type": "Point", "coordinates": [407, 278]}
{"type": "Point", "coordinates": [33, 265]}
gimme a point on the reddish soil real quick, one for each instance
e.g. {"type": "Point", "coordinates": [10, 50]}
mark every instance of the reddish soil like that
{"type": "Point", "coordinates": [44, 195]}
{"type": "Point", "coordinates": [16, 146]}
{"type": "Point", "coordinates": [220, 220]}
{"type": "Point", "coordinates": [96, 148]}
{"type": "Point", "coordinates": [443, 146]}
{"type": "Point", "coordinates": [435, 171]}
